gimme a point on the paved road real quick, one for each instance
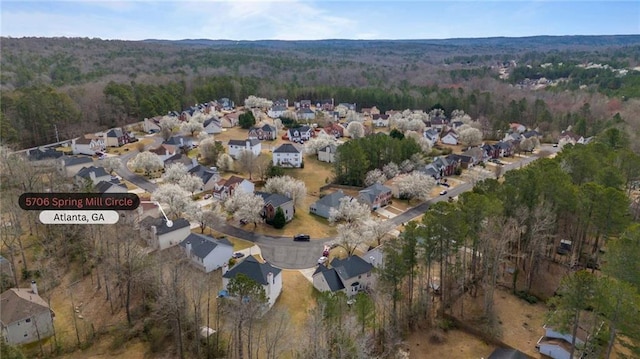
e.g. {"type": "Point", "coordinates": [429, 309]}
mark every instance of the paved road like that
{"type": "Point", "coordinates": [283, 252]}
{"type": "Point", "coordinates": [137, 180]}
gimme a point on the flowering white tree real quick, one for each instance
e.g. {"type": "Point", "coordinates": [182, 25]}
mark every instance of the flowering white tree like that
{"type": "Point", "coordinates": [225, 162]}
{"type": "Point", "coordinates": [529, 144]}
{"type": "Point", "coordinates": [208, 218]}
{"type": "Point", "coordinates": [202, 135]}
{"type": "Point", "coordinates": [167, 125]}
{"type": "Point", "coordinates": [469, 136]}
{"type": "Point", "coordinates": [374, 176]}
{"type": "Point", "coordinates": [147, 161]}
{"type": "Point", "coordinates": [355, 129]}
{"type": "Point", "coordinates": [246, 161]}
{"type": "Point", "coordinates": [176, 198]}
{"type": "Point", "coordinates": [390, 170]}
{"type": "Point", "coordinates": [111, 164]}
{"type": "Point", "coordinates": [407, 166]}
{"type": "Point", "coordinates": [210, 149]}
{"type": "Point", "coordinates": [376, 229]}
{"type": "Point", "coordinates": [425, 145]}
{"type": "Point", "coordinates": [191, 183]}
{"type": "Point", "coordinates": [192, 126]}
{"type": "Point", "coordinates": [319, 142]}
{"type": "Point", "coordinates": [436, 112]}
{"type": "Point", "coordinates": [416, 185]}
{"type": "Point", "coordinates": [399, 122]}
{"type": "Point", "coordinates": [350, 211]}
{"type": "Point", "coordinates": [350, 237]}
{"type": "Point", "coordinates": [415, 125]}
{"type": "Point", "coordinates": [287, 186]}
{"type": "Point", "coordinates": [353, 116]}
{"type": "Point", "coordinates": [257, 102]}
{"type": "Point", "coordinates": [290, 114]}
{"type": "Point", "coordinates": [459, 115]}
{"type": "Point", "coordinates": [174, 173]}
{"type": "Point", "coordinates": [245, 206]}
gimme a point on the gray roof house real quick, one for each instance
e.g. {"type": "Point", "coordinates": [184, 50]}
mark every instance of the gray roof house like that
{"type": "Point", "coordinates": [328, 153]}
{"type": "Point", "coordinates": [264, 274]}
{"type": "Point", "coordinates": [24, 316]}
{"type": "Point", "coordinates": [322, 207]}
{"type": "Point", "coordinates": [271, 203]}
{"type": "Point", "coordinates": [351, 275]}
{"type": "Point", "coordinates": [111, 186]}
{"type": "Point", "coordinates": [206, 253]}
{"type": "Point", "coordinates": [91, 174]}
{"type": "Point", "coordinates": [208, 176]}
{"type": "Point", "coordinates": [287, 155]}
{"type": "Point", "coordinates": [376, 195]}
{"type": "Point", "coordinates": [70, 165]}
{"type": "Point", "coordinates": [155, 231]}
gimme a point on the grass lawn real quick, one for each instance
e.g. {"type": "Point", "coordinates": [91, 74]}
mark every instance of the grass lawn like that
{"type": "Point", "coordinates": [296, 297]}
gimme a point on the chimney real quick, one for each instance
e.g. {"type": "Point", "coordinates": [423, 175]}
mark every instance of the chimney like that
{"type": "Point", "coordinates": [270, 282]}
{"type": "Point", "coordinates": [92, 176]}
{"type": "Point", "coordinates": [188, 249]}
{"type": "Point", "coordinates": [34, 287]}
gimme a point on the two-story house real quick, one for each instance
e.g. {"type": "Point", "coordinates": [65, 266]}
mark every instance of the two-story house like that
{"type": "Point", "coordinates": [91, 175]}
{"type": "Point", "coordinates": [206, 253]}
{"type": "Point", "coordinates": [449, 138]}
{"type": "Point", "coordinates": [268, 276]}
{"type": "Point", "coordinates": [349, 275]}
{"type": "Point", "coordinates": [116, 137]}
{"type": "Point", "coordinates": [87, 145]}
{"type": "Point", "coordinates": [264, 132]}
{"type": "Point", "coordinates": [298, 134]}
{"type": "Point", "coordinates": [208, 176]}
{"type": "Point", "coordinates": [212, 126]}
{"type": "Point", "coordinates": [328, 153]}
{"type": "Point", "coordinates": [69, 166]}
{"type": "Point", "coordinates": [273, 201]}
{"type": "Point", "coordinates": [225, 188]}
{"type": "Point", "coordinates": [236, 146]}
{"type": "Point", "coordinates": [323, 206]}
{"type": "Point", "coordinates": [375, 196]}
{"type": "Point", "coordinates": [287, 155]}
{"type": "Point", "coordinates": [24, 316]}
{"type": "Point", "coordinates": [380, 120]}
{"type": "Point", "coordinates": [160, 236]}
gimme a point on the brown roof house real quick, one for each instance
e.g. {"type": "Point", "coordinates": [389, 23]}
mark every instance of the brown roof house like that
{"type": "Point", "coordinates": [24, 316]}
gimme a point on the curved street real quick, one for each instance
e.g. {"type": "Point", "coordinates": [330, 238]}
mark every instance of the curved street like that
{"type": "Point", "coordinates": [283, 252]}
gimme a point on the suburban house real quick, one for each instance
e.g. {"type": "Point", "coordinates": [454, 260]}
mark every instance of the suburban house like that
{"type": "Point", "coordinates": [446, 166]}
{"type": "Point", "coordinates": [151, 125]}
{"type": "Point", "coordinates": [462, 161]}
{"type": "Point", "coordinates": [180, 158]}
{"type": "Point", "coordinates": [323, 206]}
{"type": "Point", "coordinates": [327, 153]}
{"type": "Point", "coordinates": [302, 104]}
{"type": "Point", "coordinates": [264, 132]}
{"type": "Point", "coordinates": [212, 126]}
{"type": "Point", "coordinates": [375, 196]}
{"type": "Point", "coordinates": [225, 188]}
{"type": "Point", "coordinates": [370, 111]}
{"type": "Point", "coordinates": [163, 152]}
{"type": "Point", "coordinates": [570, 137]}
{"type": "Point", "coordinates": [276, 111]}
{"type": "Point", "coordinates": [206, 253]}
{"type": "Point", "coordinates": [111, 186]}
{"type": "Point", "coordinates": [505, 148]}
{"type": "Point", "coordinates": [175, 143]}
{"type": "Point", "coordinates": [335, 129]}
{"type": "Point", "coordinates": [306, 114]}
{"type": "Point", "coordinates": [557, 345]}
{"type": "Point", "coordinates": [225, 104]}
{"type": "Point", "coordinates": [92, 175]}
{"type": "Point", "coordinates": [70, 165]}
{"type": "Point", "coordinates": [116, 137]}
{"type": "Point", "coordinates": [262, 273]}
{"type": "Point", "coordinates": [350, 275]}
{"type": "Point", "coordinates": [431, 170]}
{"type": "Point", "coordinates": [456, 124]}
{"type": "Point", "coordinates": [439, 123]}
{"type": "Point", "coordinates": [155, 231]}
{"type": "Point", "coordinates": [375, 256]}
{"type": "Point", "coordinates": [302, 133]}
{"type": "Point", "coordinates": [24, 316]}
{"type": "Point", "coordinates": [281, 102]}
{"type": "Point", "coordinates": [87, 145]}
{"type": "Point", "coordinates": [449, 138]}
{"type": "Point", "coordinates": [287, 155]}
{"type": "Point", "coordinates": [348, 106]}
{"type": "Point", "coordinates": [231, 119]}
{"type": "Point", "coordinates": [43, 154]}
{"type": "Point", "coordinates": [517, 127]}
{"type": "Point", "coordinates": [236, 146]}
{"type": "Point", "coordinates": [432, 135]}
{"type": "Point", "coordinates": [273, 201]}
{"type": "Point", "coordinates": [380, 120]}
{"type": "Point", "coordinates": [208, 176]}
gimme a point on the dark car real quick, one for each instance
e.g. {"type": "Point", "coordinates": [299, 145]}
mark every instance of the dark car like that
{"type": "Point", "coordinates": [302, 237]}
{"type": "Point", "coordinates": [238, 255]}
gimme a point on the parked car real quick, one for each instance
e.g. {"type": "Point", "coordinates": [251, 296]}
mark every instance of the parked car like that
{"type": "Point", "coordinates": [238, 255]}
{"type": "Point", "coordinates": [325, 253]}
{"type": "Point", "coordinates": [322, 260]}
{"type": "Point", "coordinates": [302, 238]}
{"type": "Point", "coordinates": [442, 193]}
{"type": "Point", "coordinates": [243, 222]}
{"type": "Point", "coordinates": [207, 196]}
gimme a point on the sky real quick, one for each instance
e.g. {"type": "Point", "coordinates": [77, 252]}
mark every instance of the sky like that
{"type": "Point", "coordinates": [314, 20]}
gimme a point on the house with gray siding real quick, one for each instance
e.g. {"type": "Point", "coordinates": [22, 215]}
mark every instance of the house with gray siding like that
{"type": "Point", "coordinates": [159, 236]}
{"type": "Point", "coordinates": [323, 206]}
{"type": "Point", "coordinates": [206, 253]}
{"type": "Point", "coordinates": [24, 316]}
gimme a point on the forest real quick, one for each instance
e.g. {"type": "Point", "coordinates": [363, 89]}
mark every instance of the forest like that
{"type": "Point", "coordinates": [71, 86]}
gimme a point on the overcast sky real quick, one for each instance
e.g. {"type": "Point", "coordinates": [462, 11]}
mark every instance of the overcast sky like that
{"type": "Point", "coordinates": [312, 20]}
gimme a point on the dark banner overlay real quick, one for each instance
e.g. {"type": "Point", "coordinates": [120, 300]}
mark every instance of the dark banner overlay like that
{"type": "Point", "coordinates": [79, 201]}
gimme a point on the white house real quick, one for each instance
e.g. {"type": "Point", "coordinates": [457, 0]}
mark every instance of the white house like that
{"type": "Point", "coordinates": [264, 274]}
{"type": "Point", "coordinates": [432, 135]}
{"type": "Point", "coordinates": [212, 126]}
{"type": "Point", "coordinates": [253, 145]}
{"type": "Point", "coordinates": [24, 316]}
{"type": "Point", "coordinates": [450, 138]}
{"type": "Point", "coordinates": [380, 120]}
{"type": "Point", "coordinates": [206, 253]}
{"type": "Point", "coordinates": [302, 133]}
{"type": "Point", "coordinates": [208, 176]}
{"type": "Point", "coordinates": [287, 155]}
{"type": "Point", "coordinates": [349, 275]}
{"type": "Point", "coordinates": [557, 345]}
{"type": "Point", "coordinates": [155, 231]}
{"type": "Point", "coordinates": [327, 153]}
{"type": "Point", "coordinates": [87, 146]}
{"type": "Point", "coordinates": [276, 111]}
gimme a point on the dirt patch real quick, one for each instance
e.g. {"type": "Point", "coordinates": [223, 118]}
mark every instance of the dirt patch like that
{"type": "Point", "coordinates": [457, 344]}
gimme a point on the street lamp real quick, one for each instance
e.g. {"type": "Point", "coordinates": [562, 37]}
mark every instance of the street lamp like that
{"type": "Point", "coordinates": [169, 222]}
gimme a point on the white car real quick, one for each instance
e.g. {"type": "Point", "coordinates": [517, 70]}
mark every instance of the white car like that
{"type": "Point", "coordinates": [442, 193]}
{"type": "Point", "coordinates": [322, 260]}
{"type": "Point", "coordinates": [207, 196]}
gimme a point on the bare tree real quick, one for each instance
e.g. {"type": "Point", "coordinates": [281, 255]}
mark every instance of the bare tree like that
{"type": "Point", "coordinates": [210, 149]}
{"type": "Point", "coordinates": [192, 126]}
{"type": "Point", "coordinates": [288, 186]}
{"type": "Point", "coordinates": [225, 163]}
{"type": "Point", "coordinates": [246, 161]}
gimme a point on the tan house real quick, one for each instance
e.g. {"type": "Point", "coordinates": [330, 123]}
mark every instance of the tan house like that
{"type": "Point", "coordinates": [159, 236]}
{"type": "Point", "coordinates": [24, 316]}
{"type": "Point", "coordinates": [327, 153]}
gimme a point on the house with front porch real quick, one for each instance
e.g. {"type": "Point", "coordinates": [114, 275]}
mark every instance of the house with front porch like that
{"type": "Point", "coordinates": [287, 155]}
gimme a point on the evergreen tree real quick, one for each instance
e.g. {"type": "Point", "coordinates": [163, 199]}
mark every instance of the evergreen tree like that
{"type": "Point", "coordinates": [279, 219]}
